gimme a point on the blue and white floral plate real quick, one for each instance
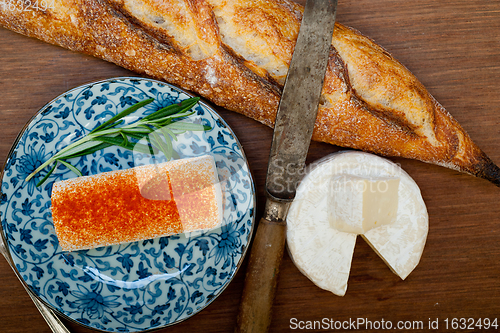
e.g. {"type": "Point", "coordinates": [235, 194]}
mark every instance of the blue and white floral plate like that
{"type": "Point", "coordinates": [136, 286]}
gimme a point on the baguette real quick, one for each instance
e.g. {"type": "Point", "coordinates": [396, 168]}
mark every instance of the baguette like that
{"type": "Point", "coordinates": [236, 54]}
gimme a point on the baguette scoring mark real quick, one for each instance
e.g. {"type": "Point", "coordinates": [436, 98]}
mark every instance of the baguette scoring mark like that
{"type": "Point", "coordinates": [259, 37]}
{"type": "Point", "coordinates": [379, 86]}
{"type": "Point", "coordinates": [173, 22]}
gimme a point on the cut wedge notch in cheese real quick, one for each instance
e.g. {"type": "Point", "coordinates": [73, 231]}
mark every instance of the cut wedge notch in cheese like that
{"type": "Point", "coordinates": [323, 222]}
{"type": "Point", "coordinates": [135, 204]}
{"type": "Point", "coordinates": [359, 204]}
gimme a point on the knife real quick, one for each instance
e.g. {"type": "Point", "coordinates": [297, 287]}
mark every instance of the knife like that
{"type": "Point", "coordinates": [291, 139]}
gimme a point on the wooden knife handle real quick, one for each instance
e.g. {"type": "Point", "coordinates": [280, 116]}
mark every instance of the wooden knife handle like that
{"type": "Point", "coordinates": [261, 277]}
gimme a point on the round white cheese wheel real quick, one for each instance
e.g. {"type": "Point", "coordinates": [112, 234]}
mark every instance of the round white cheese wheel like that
{"type": "Point", "coordinates": [323, 253]}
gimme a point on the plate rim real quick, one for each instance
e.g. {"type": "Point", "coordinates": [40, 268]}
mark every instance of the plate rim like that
{"type": "Point", "coordinates": [173, 87]}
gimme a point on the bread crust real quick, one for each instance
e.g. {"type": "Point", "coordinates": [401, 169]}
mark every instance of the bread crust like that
{"type": "Point", "coordinates": [236, 53]}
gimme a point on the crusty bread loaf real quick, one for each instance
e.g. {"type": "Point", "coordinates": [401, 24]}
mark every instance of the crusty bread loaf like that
{"type": "Point", "coordinates": [236, 54]}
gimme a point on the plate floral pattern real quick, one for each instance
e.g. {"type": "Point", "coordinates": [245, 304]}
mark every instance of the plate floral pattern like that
{"type": "Point", "coordinates": [136, 286]}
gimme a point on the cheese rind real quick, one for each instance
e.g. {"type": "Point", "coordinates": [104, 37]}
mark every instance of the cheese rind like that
{"type": "Point", "coordinates": [130, 205]}
{"type": "Point", "coordinates": [322, 252]}
{"type": "Point", "coordinates": [400, 245]}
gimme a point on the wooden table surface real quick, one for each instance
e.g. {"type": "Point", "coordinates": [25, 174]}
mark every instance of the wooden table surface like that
{"type": "Point", "coordinates": [453, 47]}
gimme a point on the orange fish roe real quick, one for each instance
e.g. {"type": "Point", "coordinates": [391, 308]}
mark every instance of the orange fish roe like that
{"type": "Point", "coordinates": [136, 204]}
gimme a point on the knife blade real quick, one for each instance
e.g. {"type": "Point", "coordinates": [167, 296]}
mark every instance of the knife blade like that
{"type": "Point", "coordinates": [292, 135]}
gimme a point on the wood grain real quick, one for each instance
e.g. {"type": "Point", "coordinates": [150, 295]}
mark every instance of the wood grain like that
{"type": "Point", "coordinates": [453, 47]}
